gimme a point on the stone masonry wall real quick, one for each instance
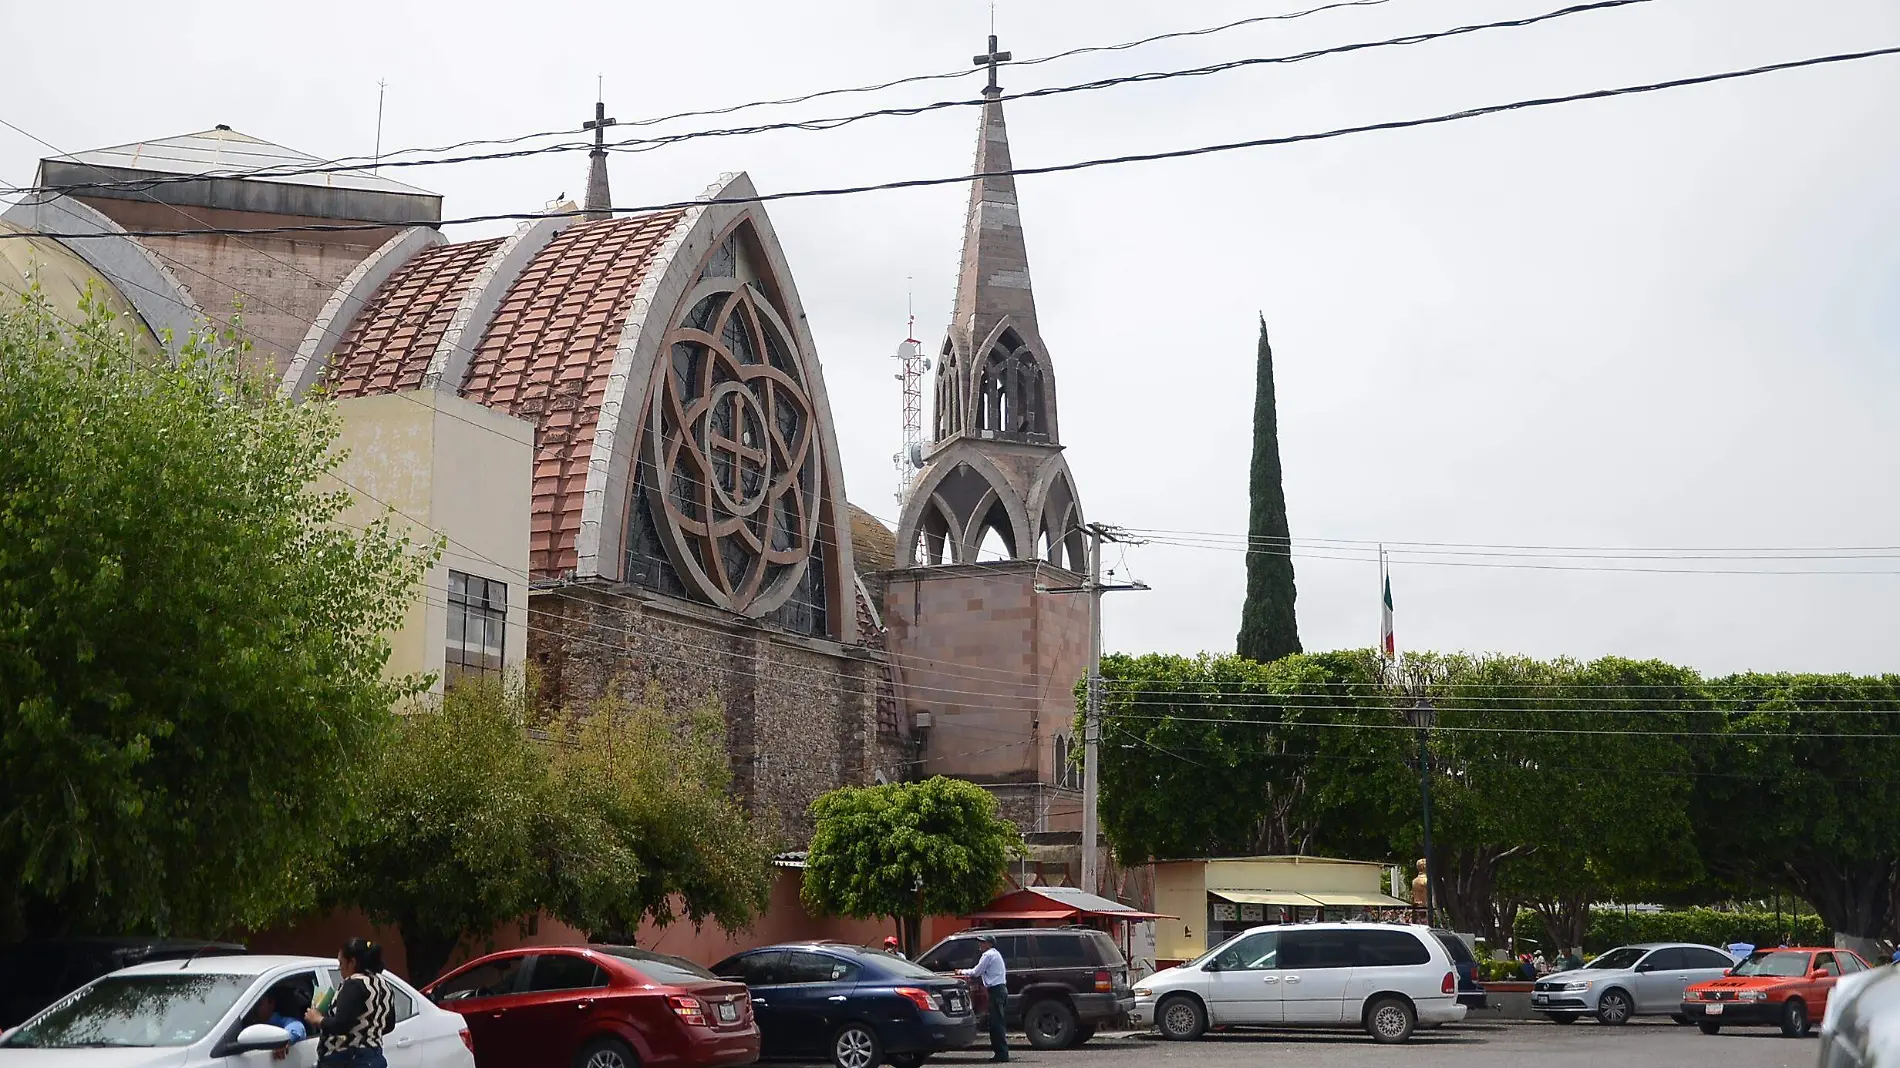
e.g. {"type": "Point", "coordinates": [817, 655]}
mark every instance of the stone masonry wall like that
{"type": "Point", "coordinates": [801, 713]}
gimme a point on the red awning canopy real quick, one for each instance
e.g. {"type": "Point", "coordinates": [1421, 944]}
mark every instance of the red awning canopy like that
{"type": "Point", "coordinates": [1056, 903]}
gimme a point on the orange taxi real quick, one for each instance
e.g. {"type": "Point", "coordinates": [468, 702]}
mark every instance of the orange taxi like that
{"type": "Point", "coordinates": [1786, 988]}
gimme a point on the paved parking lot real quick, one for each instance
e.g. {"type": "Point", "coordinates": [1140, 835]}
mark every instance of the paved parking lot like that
{"type": "Point", "coordinates": [1641, 1044]}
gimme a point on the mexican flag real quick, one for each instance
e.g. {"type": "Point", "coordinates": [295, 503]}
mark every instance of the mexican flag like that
{"type": "Point", "coordinates": [1386, 642]}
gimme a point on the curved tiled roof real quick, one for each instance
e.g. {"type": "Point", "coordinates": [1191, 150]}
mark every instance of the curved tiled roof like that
{"type": "Point", "coordinates": [873, 546]}
{"type": "Point", "coordinates": [388, 346]}
{"type": "Point", "coordinates": [548, 353]}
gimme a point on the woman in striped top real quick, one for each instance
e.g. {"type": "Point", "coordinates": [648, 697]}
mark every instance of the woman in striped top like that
{"type": "Point", "coordinates": [351, 1032]}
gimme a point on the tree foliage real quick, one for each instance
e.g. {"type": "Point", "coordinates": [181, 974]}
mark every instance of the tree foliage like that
{"type": "Point", "coordinates": [1268, 628]}
{"type": "Point", "coordinates": [483, 811]}
{"type": "Point", "coordinates": [191, 648]}
{"type": "Point", "coordinates": [906, 851]}
{"type": "Point", "coordinates": [1555, 783]}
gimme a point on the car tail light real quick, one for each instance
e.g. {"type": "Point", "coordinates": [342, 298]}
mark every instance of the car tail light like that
{"type": "Point", "coordinates": [1450, 985]}
{"type": "Point", "coordinates": [689, 1010]}
{"type": "Point", "coordinates": [1104, 981]}
{"type": "Point", "coordinates": [919, 998]}
{"type": "Point", "coordinates": [468, 1040]}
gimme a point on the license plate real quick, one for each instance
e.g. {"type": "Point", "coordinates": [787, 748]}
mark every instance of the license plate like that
{"type": "Point", "coordinates": [1540, 999]}
{"type": "Point", "coordinates": [955, 1001]}
{"type": "Point", "coordinates": [1714, 1009]}
{"type": "Point", "coordinates": [728, 1012]}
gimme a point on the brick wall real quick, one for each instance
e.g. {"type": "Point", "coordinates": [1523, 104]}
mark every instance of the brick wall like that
{"type": "Point", "coordinates": [801, 713]}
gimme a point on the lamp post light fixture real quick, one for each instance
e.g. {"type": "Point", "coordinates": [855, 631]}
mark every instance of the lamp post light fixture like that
{"type": "Point", "coordinates": [1422, 715]}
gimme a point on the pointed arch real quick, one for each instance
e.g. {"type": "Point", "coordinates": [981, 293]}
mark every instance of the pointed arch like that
{"type": "Point", "coordinates": [957, 479]}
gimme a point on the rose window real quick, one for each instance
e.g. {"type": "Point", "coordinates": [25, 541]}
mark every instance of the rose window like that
{"type": "Point", "coordinates": [737, 468]}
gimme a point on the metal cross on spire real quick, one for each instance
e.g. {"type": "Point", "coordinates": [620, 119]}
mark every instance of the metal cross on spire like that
{"type": "Point", "coordinates": [600, 122]}
{"type": "Point", "coordinates": [598, 203]}
{"type": "Point", "coordinates": [995, 57]}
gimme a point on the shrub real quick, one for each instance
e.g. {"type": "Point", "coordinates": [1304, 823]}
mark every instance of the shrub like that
{"type": "Point", "coordinates": [1609, 929]}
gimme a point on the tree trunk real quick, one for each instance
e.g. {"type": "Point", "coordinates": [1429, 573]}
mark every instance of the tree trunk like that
{"type": "Point", "coordinates": [1566, 920]}
{"type": "Point", "coordinates": [427, 951]}
{"type": "Point", "coordinates": [1854, 898]}
{"type": "Point", "coordinates": [1467, 890]}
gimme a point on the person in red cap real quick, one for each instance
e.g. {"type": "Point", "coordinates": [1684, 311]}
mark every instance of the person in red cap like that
{"type": "Point", "coordinates": [890, 946]}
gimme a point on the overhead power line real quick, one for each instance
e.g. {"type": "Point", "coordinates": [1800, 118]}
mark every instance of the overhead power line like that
{"type": "Point", "coordinates": [1057, 168]}
{"type": "Point", "coordinates": [345, 163]}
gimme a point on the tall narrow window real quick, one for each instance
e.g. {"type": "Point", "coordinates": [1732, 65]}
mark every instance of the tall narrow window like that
{"type": "Point", "coordinates": [478, 617]}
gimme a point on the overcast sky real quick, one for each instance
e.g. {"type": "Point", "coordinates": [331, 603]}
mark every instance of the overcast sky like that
{"type": "Point", "coordinates": [1668, 320]}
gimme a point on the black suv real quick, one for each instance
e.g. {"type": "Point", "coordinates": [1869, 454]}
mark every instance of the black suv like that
{"type": "Point", "coordinates": [1064, 982]}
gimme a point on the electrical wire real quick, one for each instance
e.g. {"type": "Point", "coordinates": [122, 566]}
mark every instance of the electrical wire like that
{"type": "Point", "coordinates": [1057, 168]}
{"type": "Point", "coordinates": [385, 158]}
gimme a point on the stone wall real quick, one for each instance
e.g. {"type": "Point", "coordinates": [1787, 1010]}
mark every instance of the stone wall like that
{"type": "Point", "coordinates": [993, 662]}
{"type": "Point", "coordinates": [801, 713]}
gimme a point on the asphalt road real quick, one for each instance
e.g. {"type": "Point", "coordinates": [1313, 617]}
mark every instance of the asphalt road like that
{"type": "Point", "coordinates": [1640, 1044]}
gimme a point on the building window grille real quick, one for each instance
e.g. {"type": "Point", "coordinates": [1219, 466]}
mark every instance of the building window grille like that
{"type": "Point", "coordinates": [478, 618]}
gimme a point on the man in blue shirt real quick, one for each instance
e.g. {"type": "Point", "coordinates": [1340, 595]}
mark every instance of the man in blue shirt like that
{"type": "Point", "coordinates": [265, 1012]}
{"type": "Point", "coordinates": [993, 976]}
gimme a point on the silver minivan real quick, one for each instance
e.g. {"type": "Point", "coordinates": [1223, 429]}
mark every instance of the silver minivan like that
{"type": "Point", "coordinates": [1386, 978]}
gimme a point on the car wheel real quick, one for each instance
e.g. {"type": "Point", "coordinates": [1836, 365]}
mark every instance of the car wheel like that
{"type": "Point", "coordinates": [1562, 1017]}
{"type": "Point", "coordinates": [1708, 1028]}
{"type": "Point", "coordinates": [1794, 1018]}
{"type": "Point", "coordinates": [1083, 1033]}
{"type": "Point", "coordinates": [1049, 1024]}
{"type": "Point", "coordinates": [1180, 1018]}
{"type": "Point", "coordinates": [908, 1060]}
{"type": "Point", "coordinates": [605, 1053]}
{"type": "Point", "coordinates": [1681, 1019]}
{"type": "Point", "coordinates": [1390, 1020]}
{"type": "Point", "coordinates": [1613, 1008]}
{"type": "Point", "coordinates": [855, 1046]}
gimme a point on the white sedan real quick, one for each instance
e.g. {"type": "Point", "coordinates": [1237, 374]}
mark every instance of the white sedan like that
{"type": "Point", "coordinates": [209, 1013]}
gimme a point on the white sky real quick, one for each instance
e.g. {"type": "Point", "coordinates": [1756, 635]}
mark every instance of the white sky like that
{"type": "Point", "coordinates": [1665, 320]}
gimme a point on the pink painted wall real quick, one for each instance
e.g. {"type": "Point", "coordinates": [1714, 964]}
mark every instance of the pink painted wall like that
{"type": "Point", "coordinates": [785, 920]}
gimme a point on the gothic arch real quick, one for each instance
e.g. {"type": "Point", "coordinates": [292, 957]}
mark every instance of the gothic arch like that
{"type": "Point", "coordinates": [973, 478]}
{"type": "Point", "coordinates": [1011, 386]}
{"type": "Point", "coordinates": [785, 529]}
{"type": "Point", "coordinates": [1059, 517]}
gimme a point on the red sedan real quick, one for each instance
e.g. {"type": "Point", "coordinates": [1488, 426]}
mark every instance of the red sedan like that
{"type": "Point", "coordinates": [1786, 988]}
{"type": "Point", "coordinates": [598, 1007]}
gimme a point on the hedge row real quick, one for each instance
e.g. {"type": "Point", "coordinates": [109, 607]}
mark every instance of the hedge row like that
{"type": "Point", "coordinates": [1609, 929]}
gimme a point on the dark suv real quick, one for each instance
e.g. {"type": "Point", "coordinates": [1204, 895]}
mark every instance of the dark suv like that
{"type": "Point", "coordinates": [33, 975]}
{"type": "Point", "coordinates": [1064, 982]}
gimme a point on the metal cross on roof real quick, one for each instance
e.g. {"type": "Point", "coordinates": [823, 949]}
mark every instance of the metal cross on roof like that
{"type": "Point", "coordinates": [599, 124]}
{"type": "Point", "coordinates": [991, 61]}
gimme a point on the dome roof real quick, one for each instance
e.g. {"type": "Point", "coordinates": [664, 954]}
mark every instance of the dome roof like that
{"type": "Point", "coordinates": [63, 279]}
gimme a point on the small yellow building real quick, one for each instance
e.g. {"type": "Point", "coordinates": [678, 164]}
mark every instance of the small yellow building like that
{"type": "Point", "coordinates": [1222, 896]}
{"type": "Point", "coordinates": [450, 466]}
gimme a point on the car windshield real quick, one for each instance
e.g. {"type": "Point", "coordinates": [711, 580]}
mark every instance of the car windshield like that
{"type": "Point", "coordinates": [163, 1009]}
{"type": "Point", "coordinates": [1782, 965]}
{"type": "Point", "coordinates": [1618, 959]}
{"type": "Point", "coordinates": [660, 967]}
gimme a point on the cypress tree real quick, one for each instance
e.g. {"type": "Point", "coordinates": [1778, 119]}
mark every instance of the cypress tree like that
{"type": "Point", "coordinates": [1267, 627]}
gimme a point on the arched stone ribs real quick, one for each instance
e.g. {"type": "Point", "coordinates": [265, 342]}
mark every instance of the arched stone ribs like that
{"type": "Point", "coordinates": [958, 500]}
{"type": "Point", "coordinates": [1010, 400]}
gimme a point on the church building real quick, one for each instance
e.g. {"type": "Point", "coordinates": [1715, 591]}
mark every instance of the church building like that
{"type": "Point", "coordinates": [621, 426]}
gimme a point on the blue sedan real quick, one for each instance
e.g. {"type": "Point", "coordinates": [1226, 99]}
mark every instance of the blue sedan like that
{"type": "Point", "coordinates": [858, 1007]}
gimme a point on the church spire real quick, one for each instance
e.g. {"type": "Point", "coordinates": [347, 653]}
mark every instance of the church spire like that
{"type": "Point", "coordinates": [993, 282]}
{"type": "Point", "coordinates": [599, 201]}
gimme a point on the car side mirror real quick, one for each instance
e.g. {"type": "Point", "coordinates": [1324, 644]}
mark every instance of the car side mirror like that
{"type": "Point", "coordinates": [1211, 966]}
{"type": "Point", "coordinates": [261, 1036]}
{"type": "Point", "coordinates": [1820, 973]}
{"type": "Point", "coordinates": [1645, 967]}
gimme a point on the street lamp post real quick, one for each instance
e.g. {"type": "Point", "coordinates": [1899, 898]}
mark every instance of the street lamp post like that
{"type": "Point", "coordinates": [1423, 715]}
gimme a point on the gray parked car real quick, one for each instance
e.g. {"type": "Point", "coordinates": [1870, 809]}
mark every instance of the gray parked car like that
{"type": "Point", "coordinates": [1861, 1028]}
{"type": "Point", "coordinates": [1641, 980]}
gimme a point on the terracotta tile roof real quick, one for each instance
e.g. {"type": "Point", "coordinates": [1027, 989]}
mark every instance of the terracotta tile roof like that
{"type": "Point", "coordinates": [388, 347]}
{"type": "Point", "coordinates": [873, 546]}
{"type": "Point", "coordinates": [547, 355]}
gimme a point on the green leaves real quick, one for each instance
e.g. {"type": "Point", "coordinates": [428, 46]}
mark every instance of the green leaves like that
{"type": "Point", "coordinates": [191, 648]}
{"type": "Point", "coordinates": [908, 850]}
{"type": "Point", "coordinates": [616, 813]}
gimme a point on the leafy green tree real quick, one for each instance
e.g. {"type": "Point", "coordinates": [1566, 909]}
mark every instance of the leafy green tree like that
{"type": "Point", "coordinates": [461, 826]}
{"type": "Point", "coordinates": [1268, 630]}
{"type": "Point", "coordinates": [1802, 790]}
{"type": "Point", "coordinates": [191, 647]}
{"type": "Point", "coordinates": [1207, 756]}
{"type": "Point", "coordinates": [906, 851]}
{"type": "Point", "coordinates": [661, 780]}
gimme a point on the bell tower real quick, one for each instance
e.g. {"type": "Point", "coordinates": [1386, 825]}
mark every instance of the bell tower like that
{"type": "Point", "coordinates": [984, 664]}
{"type": "Point", "coordinates": [995, 465]}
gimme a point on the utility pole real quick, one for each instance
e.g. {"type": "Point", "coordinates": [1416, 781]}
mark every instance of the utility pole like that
{"type": "Point", "coordinates": [1423, 715]}
{"type": "Point", "coordinates": [1092, 714]}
